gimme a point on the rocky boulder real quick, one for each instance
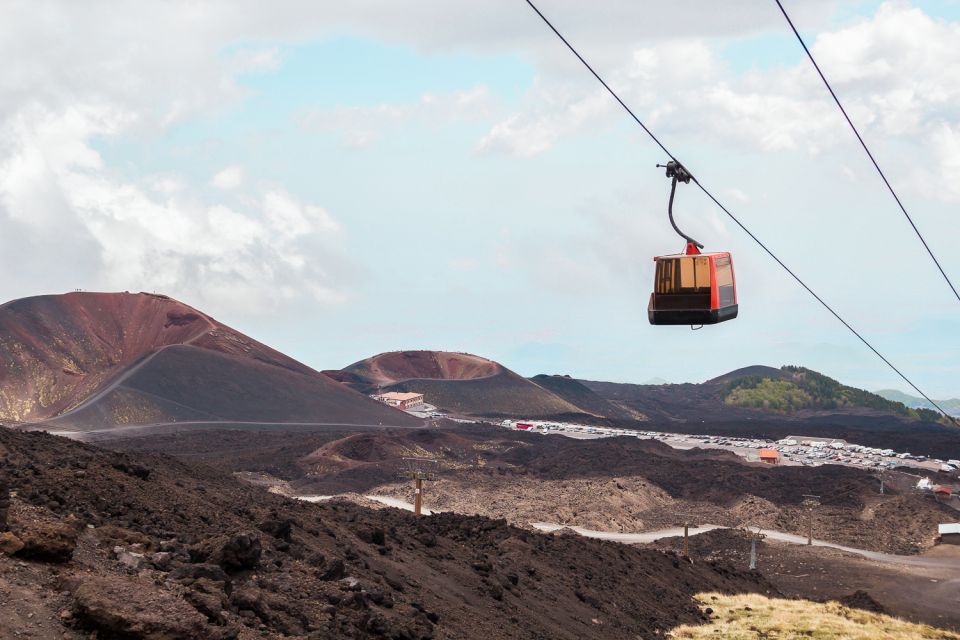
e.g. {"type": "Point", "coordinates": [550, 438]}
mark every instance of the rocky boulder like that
{"type": "Point", "coordinates": [127, 608]}
{"type": "Point", "coordinates": [236, 552]}
{"type": "Point", "coordinates": [9, 543]}
{"type": "Point", "coordinates": [188, 573]}
{"type": "Point", "coordinates": [47, 541]}
{"type": "Point", "coordinates": [280, 528]}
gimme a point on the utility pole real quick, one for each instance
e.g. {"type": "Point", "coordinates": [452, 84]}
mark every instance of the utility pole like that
{"type": "Point", "coordinates": [882, 473]}
{"type": "Point", "coordinates": [810, 502]}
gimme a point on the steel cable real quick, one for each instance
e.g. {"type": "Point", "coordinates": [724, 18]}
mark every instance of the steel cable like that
{"type": "Point", "coordinates": [863, 144]}
{"type": "Point", "coordinates": [734, 218]}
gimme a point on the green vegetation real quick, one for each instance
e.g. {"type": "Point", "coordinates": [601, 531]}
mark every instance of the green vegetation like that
{"type": "Point", "coordinates": [802, 388]}
{"type": "Point", "coordinates": [753, 616]}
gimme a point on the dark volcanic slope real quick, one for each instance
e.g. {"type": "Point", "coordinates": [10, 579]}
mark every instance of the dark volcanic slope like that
{"type": "Point", "coordinates": [759, 370]}
{"type": "Point", "coordinates": [238, 562]}
{"type": "Point", "coordinates": [84, 360]}
{"type": "Point", "coordinates": [610, 484]}
{"type": "Point", "coordinates": [575, 392]}
{"type": "Point", "coordinates": [457, 382]}
{"type": "Point", "coordinates": [669, 402]}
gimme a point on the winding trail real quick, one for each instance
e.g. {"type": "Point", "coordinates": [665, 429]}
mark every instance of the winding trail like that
{"type": "Point", "coordinates": [94, 435]}
{"type": "Point", "coordinates": [646, 537]}
{"type": "Point", "coordinates": [652, 536]}
{"type": "Point", "coordinates": [126, 374]}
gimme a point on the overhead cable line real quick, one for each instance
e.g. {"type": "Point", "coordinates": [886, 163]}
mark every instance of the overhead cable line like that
{"type": "Point", "coordinates": [734, 218]}
{"type": "Point", "coordinates": [863, 144]}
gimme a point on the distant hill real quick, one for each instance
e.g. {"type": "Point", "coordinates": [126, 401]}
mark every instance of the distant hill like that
{"type": "Point", "coordinates": [798, 388]}
{"type": "Point", "coordinates": [753, 393]}
{"type": "Point", "coordinates": [755, 371]}
{"type": "Point", "coordinates": [575, 392]}
{"type": "Point", "coordinates": [458, 382]}
{"type": "Point", "coordinates": [83, 361]}
{"type": "Point", "coordinates": [951, 406]}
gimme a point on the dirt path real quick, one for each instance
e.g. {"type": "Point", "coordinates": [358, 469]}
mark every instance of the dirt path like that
{"type": "Point", "coordinates": [123, 377]}
{"type": "Point", "coordinates": [647, 537]}
{"type": "Point", "coordinates": [399, 504]}
{"type": "Point", "coordinates": [100, 435]}
{"type": "Point", "coordinates": [627, 538]}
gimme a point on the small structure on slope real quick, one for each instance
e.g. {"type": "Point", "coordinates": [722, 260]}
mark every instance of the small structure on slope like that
{"type": "Point", "coordinates": [950, 533]}
{"type": "Point", "coordinates": [401, 400]}
{"type": "Point", "coordinates": [770, 456]}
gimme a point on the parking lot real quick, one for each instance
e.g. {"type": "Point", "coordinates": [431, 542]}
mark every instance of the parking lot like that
{"type": "Point", "coordinates": [793, 451]}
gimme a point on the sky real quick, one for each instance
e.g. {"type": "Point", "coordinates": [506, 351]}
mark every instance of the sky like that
{"type": "Point", "coordinates": [343, 179]}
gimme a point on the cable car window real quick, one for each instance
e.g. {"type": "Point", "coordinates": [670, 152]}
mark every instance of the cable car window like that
{"type": "Point", "coordinates": [665, 276]}
{"type": "Point", "coordinates": [687, 279]}
{"type": "Point", "coordinates": [683, 275]}
{"type": "Point", "coordinates": [725, 292]}
{"type": "Point", "coordinates": [701, 269]}
{"type": "Point", "coordinates": [724, 273]}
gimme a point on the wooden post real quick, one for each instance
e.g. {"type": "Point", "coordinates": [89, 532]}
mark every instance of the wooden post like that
{"type": "Point", "coordinates": [686, 540]}
{"type": "Point", "coordinates": [418, 497]}
{"type": "Point", "coordinates": [810, 502]}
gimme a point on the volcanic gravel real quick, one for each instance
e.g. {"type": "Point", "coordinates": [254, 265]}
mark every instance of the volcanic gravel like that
{"type": "Point", "coordinates": [611, 484]}
{"type": "Point", "coordinates": [166, 549]}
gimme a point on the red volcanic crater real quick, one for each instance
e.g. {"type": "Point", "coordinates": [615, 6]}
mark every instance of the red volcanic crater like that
{"type": "Point", "coordinates": [459, 382]}
{"type": "Point", "coordinates": [389, 368]}
{"type": "Point", "coordinates": [96, 360]}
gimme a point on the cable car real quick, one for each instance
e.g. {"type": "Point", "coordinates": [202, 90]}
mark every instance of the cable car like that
{"type": "Point", "coordinates": [691, 288]}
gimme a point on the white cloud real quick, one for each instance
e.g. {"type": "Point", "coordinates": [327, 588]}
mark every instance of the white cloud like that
{"type": "Point", "coordinates": [99, 71]}
{"type": "Point", "coordinates": [156, 234]}
{"type": "Point", "coordinates": [362, 126]}
{"type": "Point", "coordinates": [894, 72]}
{"type": "Point", "coordinates": [463, 264]}
{"type": "Point", "coordinates": [256, 60]}
{"type": "Point", "coordinates": [941, 178]}
{"type": "Point", "coordinates": [136, 71]}
{"type": "Point", "coordinates": [228, 178]}
{"type": "Point", "coordinates": [359, 138]}
{"type": "Point", "coordinates": [528, 134]}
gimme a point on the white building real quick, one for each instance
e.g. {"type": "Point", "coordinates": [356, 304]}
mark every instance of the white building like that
{"type": "Point", "coordinates": [401, 400]}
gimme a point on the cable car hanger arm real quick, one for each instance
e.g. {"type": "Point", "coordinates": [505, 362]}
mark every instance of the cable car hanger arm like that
{"type": "Point", "coordinates": [679, 173]}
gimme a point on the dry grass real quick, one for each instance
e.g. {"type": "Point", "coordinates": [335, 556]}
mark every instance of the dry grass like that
{"type": "Point", "coordinates": [751, 616]}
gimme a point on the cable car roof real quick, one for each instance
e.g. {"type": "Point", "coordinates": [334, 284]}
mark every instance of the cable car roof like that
{"type": "Point", "coordinates": [697, 255]}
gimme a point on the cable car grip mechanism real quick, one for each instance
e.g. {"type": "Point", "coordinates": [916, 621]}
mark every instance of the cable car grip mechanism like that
{"type": "Point", "coordinates": [679, 173]}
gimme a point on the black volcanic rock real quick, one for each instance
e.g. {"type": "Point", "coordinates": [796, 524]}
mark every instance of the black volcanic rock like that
{"type": "Point", "coordinates": [414, 591]}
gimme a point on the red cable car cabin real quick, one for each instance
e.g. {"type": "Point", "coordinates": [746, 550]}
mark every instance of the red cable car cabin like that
{"type": "Point", "coordinates": [693, 288]}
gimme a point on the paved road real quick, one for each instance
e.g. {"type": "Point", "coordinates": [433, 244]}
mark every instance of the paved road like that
{"type": "Point", "coordinates": [646, 537]}
{"type": "Point", "coordinates": [95, 435]}
{"type": "Point", "coordinates": [652, 536]}
{"type": "Point", "coordinates": [626, 538]}
{"type": "Point", "coordinates": [399, 504]}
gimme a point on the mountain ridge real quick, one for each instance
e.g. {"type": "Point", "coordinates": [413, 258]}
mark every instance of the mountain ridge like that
{"type": "Point", "coordinates": [82, 361]}
{"type": "Point", "coordinates": [950, 405]}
